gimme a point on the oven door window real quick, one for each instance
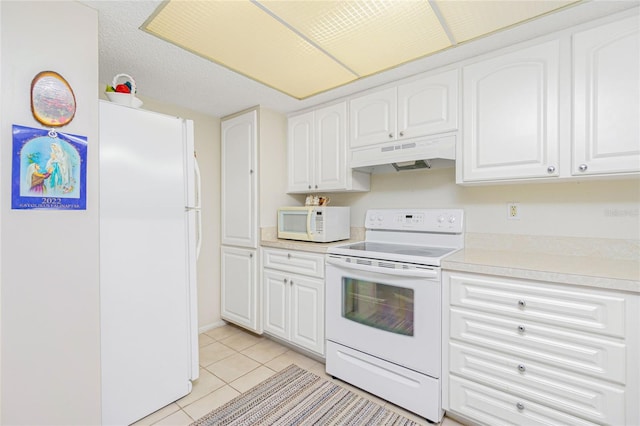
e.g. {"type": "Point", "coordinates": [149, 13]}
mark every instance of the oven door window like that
{"type": "Point", "coordinates": [382, 306]}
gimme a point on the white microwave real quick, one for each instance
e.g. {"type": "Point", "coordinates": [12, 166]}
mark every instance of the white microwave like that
{"type": "Point", "coordinates": [319, 224]}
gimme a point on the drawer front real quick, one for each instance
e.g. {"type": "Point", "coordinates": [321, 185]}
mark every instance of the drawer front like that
{"type": "Point", "coordinates": [586, 310]}
{"type": "Point", "coordinates": [492, 407]}
{"type": "Point", "coordinates": [554, 387]}
{"type": "Point", "coordinates": [566, 349]}
{"type": "Point", "coordinates": [297, 262]}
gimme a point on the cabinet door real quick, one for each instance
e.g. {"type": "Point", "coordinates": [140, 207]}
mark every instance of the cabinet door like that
{"type": "Point", "coordinates": [300, 153]}
{"type": "Point", "coordinates": [606, 67]}
{"type": "Point", "coordinates": [373, 118]}
{"type": "Point", "coordinates": [307, 313]}
{"type": "Point", "coordinates": [428, 106]}
{"type": "Point", "coordinates": [239, 287]}
{"type": "Point", "coordinates": [331, 147]}
{"type": "Point", "coordinates": [239, 180]}
{"type": "Point", "coordinates": [276, 303]}
{"type": "Point", "coordinates": [510, 115]}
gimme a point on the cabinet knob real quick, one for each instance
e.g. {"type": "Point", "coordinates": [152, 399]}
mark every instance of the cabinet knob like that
{"type": "Point", "coordinates": [551, 169]}
{"type": "Point", "coordinates": [250, 255]}
{"type": "Point", "coordinates": [521, 328]}
{"type": "Point", "coordinates": [309, 186]}
{"type": "Point", "coordinates": [290, 282]}
{"type": "Point", "coordinates": [401, 133]}
{"type": "Point", "coordinates": [521, 367]}
{"type": "Point", "coordinates": [390, 135]}
{"type": "Point", "coordinates": [583, 167]}
{"type": "Point", "coordinates": [286, 281]}
{"type": "Point", "coordinates": [520, 406]}
{"type": "Point", "coordinates": [522, 303]}
{"type": "Point", "coordinates": [251, 171]}
{"type": "Point", "coordinates": [288, 255]}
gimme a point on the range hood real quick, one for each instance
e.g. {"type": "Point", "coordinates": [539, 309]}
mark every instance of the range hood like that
{"type": "Point", "coordinates": [412, 154]}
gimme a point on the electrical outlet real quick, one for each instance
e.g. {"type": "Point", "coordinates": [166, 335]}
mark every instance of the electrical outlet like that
{"type": "Point", "coordinates": [513, 211]}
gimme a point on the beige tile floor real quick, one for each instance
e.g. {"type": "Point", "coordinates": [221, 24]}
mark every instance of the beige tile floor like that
{"type": "Point", "coordinates": [232, 361]}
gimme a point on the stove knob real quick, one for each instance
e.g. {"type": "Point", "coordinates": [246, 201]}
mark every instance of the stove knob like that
{"type": "Point", "coordinates": [440, 219]}
{"type": "Point", "coordinates": [452, 219]}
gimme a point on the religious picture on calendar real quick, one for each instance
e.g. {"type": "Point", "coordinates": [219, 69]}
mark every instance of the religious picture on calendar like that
{"type": "Point", "coordinates": [49, 170]}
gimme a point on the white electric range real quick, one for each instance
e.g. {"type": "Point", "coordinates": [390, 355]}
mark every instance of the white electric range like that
{"type": "Point", "coordinates": [383, 306]}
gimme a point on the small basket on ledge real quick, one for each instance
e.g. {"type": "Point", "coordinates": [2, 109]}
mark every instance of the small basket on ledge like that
{"type": "Point", "coordinates": [127, 99]}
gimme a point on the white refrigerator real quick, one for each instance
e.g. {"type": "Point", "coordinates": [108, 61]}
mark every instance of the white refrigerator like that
{"type": "Point", "coordinates": [149, 239]}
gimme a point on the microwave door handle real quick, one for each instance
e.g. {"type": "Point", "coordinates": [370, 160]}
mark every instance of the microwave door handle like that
{"type": "Point", "coordinates": [309, 233]}
{"type": "Point", "coordinates": [427, 273]}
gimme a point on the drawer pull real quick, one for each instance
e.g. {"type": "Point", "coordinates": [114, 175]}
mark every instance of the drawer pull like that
{"type": "Point", "coordinates": [520, 406]}
{"type": "Point", "coordinates": [521, 328]}
{"type": "Point", "coordinates": [522, 303]}
{"type": "Point", "coordinates": [521, 367]}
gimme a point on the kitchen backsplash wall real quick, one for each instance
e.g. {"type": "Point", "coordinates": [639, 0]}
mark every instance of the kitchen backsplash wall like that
{"type": "Point", "coordinates": [593, 209]}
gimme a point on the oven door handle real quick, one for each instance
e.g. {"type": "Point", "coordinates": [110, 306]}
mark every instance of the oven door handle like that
{"type": "Point", "coordinates": [419, 273]}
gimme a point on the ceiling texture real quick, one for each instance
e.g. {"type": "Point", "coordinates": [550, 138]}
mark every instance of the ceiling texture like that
{"type": "Point", "coordinates": [170, 74]}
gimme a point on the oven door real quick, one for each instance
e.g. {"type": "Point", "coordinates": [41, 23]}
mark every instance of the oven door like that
{"type": "Point", "coordinates": [393, 314]}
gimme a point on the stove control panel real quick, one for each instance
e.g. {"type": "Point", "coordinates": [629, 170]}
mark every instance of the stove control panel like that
{"type": "Point", "coordinates": [419, 220]}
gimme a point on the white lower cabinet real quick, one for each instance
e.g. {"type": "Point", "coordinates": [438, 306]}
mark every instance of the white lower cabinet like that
{"type": "Point", "coordinates": [240, 292]}
{"type": "Point", "coordinates": [530, 352]}
{"type": "Point", "coordinates": [293, 297]}
{"type": "Point", "coordinates": [489, 406]}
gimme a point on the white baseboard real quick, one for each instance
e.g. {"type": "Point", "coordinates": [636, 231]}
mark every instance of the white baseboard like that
{"type": "Point", "coordinates": [211, 326]}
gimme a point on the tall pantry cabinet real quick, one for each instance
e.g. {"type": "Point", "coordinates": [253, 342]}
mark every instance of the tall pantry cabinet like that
{"type": "Point", "coordinates": [239, 228]}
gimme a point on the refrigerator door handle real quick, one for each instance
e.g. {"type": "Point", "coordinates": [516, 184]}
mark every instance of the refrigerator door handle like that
{"type": "Point", "coordinates": [199, 235]}
{"type": "Point", "coordinates": [196, 170]}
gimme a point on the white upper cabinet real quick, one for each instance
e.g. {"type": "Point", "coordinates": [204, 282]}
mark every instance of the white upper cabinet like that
{"type": "Point", "coordinates": [239, 180]}
{"type": "Point", "coordinates": [300, 157]}
{"type": "Point", "coordinates": [417, 108]}
{"type": "Point", "coordinates": [511, 115]}
{"type": "Point", "coordinates": [428, 106]}
{"type": "Point", "coordinates": [330, 126]}
{"type": "Point", "coordinates": [373, 118]}
{"type": "Point", "coordinates": [606, 99]}
{"type": "Point", "coordinates": [317, 153]}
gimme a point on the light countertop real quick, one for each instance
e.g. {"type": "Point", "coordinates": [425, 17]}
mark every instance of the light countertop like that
{"type": "Point", "coordinates": [577, 270]}
{"type": "Point", "coordinates": [594, 262]}
{"type": "Point", "coordinates": [599, 263]}
{"type": "Point", "coordinates": [269, 239]}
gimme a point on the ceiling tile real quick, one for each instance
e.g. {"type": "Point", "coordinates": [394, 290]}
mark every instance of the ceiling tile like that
{"type": "Point", "coordinates": [367, 36]}
{"type": "Point", "coordinates": [242, 37]}
{"type": "Point", "coordinates": [471, 19]}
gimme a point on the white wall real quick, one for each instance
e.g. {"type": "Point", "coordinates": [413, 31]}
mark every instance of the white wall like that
{"type": "Point", "coordinates": [594, 209]}
{"type": "Point", "coordinates": [50, 348]}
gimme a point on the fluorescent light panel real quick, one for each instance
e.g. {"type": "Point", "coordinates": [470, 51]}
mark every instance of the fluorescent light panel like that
{"type": "Point", "coordinates": [469, 19]}
{"type": "Point", "coordinates": [306, 47]}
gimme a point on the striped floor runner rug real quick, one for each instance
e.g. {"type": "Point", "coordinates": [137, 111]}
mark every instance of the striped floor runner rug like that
{"type": "Point", "coordinates": [297, 397]}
